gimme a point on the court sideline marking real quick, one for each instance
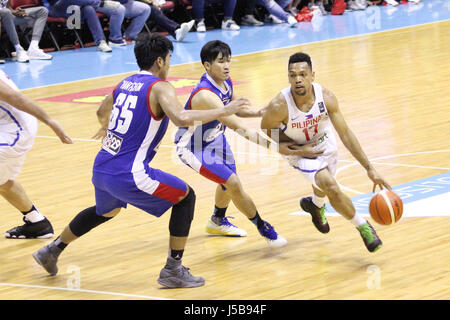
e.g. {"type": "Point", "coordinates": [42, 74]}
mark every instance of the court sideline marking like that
{"type": "Point", "coordinates": [82, 290]}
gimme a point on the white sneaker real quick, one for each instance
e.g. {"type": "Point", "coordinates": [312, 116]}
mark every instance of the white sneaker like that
{"type": "Point", "coordinates": [362, 4]}
{"type": "Point", "coordinates": [292, 21]}
{"type": "Point", "coordinates": [415, 1]}
{"type": "Point", "coordinates": [22, 56]}
{"type": "Point", "coordinates": [121, 43]}
{"type": "Point", "coordinates": [230, 25]}
{"type": "Point", "coordinates": [183, 30]}
{"type": "Point", "coordinates": [2, 61]}
{"type": "Point", "coordinates": [201, 26]}
{"type": "Point", "coordinates": [273, 19]}
{"type": "Point", "coordinates": [103, 46]}
{"type": "Point", "coordinates": [107, 4]}
{"type": "Point", "coordinates": [38, 54]}
{"type": "Point", "coordinates": [225, 228]}
{"type": "Point", "coordinates": [392, 2]}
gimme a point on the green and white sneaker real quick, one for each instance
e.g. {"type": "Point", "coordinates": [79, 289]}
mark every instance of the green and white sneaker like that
{"type": "Point", "coordinates": [370, 237]}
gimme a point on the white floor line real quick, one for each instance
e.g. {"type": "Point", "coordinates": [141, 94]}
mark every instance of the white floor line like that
{"type": "Point", "coordinates": [82, 291]}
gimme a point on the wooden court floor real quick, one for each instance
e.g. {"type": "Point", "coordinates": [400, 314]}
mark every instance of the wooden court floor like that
{"type": "Point", "coordinates": [393, 89]}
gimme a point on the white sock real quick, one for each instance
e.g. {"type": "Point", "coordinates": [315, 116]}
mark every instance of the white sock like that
{"type": "Point", "coordinates": [34, 216]}
{"type": "Point", "coordinates": [318, 201]}
{"type": "Point", "coordinates": [357, 220]}
{"type": "Point", "coordinates": [34, 44]}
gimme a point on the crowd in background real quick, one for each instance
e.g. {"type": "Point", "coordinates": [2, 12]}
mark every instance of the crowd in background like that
{"type": "Point", "coordinates": [115, 23]}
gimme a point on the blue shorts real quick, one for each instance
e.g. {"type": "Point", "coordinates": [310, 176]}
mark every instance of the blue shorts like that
{"type": "Point", "coordinates": [215, 161]}
{"type": "Point", "coordinates": [152, 190]}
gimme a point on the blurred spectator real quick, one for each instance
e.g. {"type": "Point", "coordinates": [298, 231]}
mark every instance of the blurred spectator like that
{"type": "Point", "coordinates": [176, 30]}
{"type": "Point", "coordinates": [198, 11]}
{"type": "Point", "coordinates": [58, 8]}
{"type": "Point", "coordinates": [277, 14]}
{"type": "Point", "coordinates": [137, 11]}
{"type": "Point", "coordinates": [33, 16]}
{"type": "Point", "coordinates": [318, 4]}
{"type": "Point", "coordinates": [249, 19]}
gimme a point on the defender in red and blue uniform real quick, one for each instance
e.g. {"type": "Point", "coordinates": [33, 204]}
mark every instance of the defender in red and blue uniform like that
{"type": "Point", "coordinates": [204, 148]}
{"type": "Point", "coordinates": [134, 120]}
{"type": "Point", "coordinates": [122, 173]}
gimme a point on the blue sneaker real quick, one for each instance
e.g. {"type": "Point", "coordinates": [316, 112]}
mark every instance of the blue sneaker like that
{"type": "Point", "coordinates": [273, 238]}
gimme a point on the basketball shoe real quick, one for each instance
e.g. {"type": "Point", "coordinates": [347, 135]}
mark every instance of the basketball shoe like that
{"type": "Point", "coordinates": [221, 226]}
{"type": "Point", "coordinates": [370, 237]}
{"type": "Point", "coordinates": [47, 257]}
{"type": "Point", "coordinates": [40, 230]}
{"type": "Point", "coordinates": [273, 238]}
{"type": "Point", "coordinates": [174, 275]}
{"type": "Point", "coordinates": [183, 30]}
{"type": "Point", "coordinates": [318, 214]}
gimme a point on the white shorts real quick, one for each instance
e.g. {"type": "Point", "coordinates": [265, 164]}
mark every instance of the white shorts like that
{"type": "Point", "coordinates": [12, 154]}
{"type": "Point", "coordinates": [309, 167]}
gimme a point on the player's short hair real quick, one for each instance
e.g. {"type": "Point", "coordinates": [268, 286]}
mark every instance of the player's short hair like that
{"type": "Point", "coordinates": [300, 57]}
{"type": "Point", "coordinates": [149, 47]}
{"type": "Point", "coordinates": [211, 50]}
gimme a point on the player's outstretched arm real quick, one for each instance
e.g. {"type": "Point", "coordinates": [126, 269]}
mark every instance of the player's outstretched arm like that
{"type": "Point", "coordinates": [103, 115]}
{"type": "Point", "coordinates": [23, 103]}
{"type": "Point", "coordinates": [349, 139]}
{"type": "Point", "coordinates": [166, 96]}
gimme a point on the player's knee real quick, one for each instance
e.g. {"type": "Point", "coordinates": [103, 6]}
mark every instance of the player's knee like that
{"type": "Point", "coordinates": [331, 189]}
{"type": "Point", "coordinates": [85, 221]}
{"type": "Point", "coordinates": [233, 184]}
{"type": "Point", "coordinates": [112, 214]}
{"type": "Point", "coordinates": [182, 215]}
{"type": "Point", "coordinates": [5, 187]}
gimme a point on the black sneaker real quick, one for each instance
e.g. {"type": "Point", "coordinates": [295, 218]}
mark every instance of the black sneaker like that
{"type": "Point", "coordinates": [318, 214]}
{"type": "Point", "coordinates": [370, 237]}
{"type": "Point", "coordinates": [40, 230]}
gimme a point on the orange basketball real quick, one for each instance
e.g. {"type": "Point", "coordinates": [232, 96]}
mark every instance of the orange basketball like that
{"type": "Point", "coordinates": [386, 207]}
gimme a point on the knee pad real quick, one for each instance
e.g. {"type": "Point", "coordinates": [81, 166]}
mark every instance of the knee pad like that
{"type": "Point", "coordinates": [182, 215]}
{"type": "Point", "coordinates": [85, 221]}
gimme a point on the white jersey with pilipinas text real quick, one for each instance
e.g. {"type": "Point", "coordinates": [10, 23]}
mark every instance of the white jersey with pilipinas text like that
{"type": "Point", "coordinates": [17, 128]}
{"type": "Point", "coordinates": [312, 126]}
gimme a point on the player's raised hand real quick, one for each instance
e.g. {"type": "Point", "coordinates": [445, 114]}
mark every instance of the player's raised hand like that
{"type": "Point", "coordinates": [377, 180]}
{"type": "Point", "coordinates": [236, 106]}
{"type": "Point", "coordinates": [59, 131]}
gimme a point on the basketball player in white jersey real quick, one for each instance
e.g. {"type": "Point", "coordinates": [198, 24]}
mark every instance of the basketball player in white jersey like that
{"type": "Point", "coordinates": [305, 114]}
{"type": "Point", "coordinates": [18, 127]}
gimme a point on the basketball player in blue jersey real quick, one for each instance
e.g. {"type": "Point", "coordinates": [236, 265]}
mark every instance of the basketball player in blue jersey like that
{"type": "Point", "coordinates": [133, 121]}
{"type": "Point", "coordinates": [18, 128]}
{"type": "Point", "coordinates": [205, 149]}
{"type": "Point", "coordinates": [304, 114]}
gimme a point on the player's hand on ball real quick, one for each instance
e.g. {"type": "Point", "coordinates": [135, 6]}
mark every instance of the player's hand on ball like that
{"type": "Point", "coordinates": [377, 180]}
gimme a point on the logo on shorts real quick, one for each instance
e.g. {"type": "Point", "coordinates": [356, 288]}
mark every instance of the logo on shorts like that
{"type": "Point", "coordinates": [112, 143]}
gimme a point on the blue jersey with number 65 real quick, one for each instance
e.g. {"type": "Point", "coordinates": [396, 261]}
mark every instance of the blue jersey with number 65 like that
{"type": "Point", "coordinates": [134, 133]}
